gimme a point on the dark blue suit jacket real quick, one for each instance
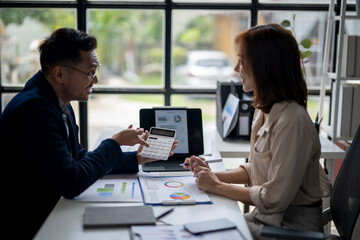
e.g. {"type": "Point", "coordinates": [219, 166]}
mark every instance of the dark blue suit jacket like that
{"type": "Point", "coordinates": [37, 164]}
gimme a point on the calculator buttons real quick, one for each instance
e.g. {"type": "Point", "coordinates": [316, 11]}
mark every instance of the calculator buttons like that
{"type": "Point", "coordinates": [159, 149]}
{"type": "Point", "coordinates": [160, 146]}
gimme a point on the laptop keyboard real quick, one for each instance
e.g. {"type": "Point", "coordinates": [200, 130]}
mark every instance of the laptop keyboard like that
{"type": "Point", "coordinates": [172, 165]}
{"type": "Point", "coordinates": [161, 164]}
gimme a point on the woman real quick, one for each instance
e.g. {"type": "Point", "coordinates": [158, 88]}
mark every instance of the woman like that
{"type": "Point", "coordinates": [283, 178]}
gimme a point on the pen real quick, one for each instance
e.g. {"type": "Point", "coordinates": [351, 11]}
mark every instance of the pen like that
{"type": "Point", "coordinates": [165, 213]}
{"type": "Point", "coordinates": [178, 202]}
{"type": "Point", "coordinates": [321, 120]}
{"type": "Point", "coordinates": [207, 161]}
{"type": "Point", "coordinates": [317, 119]}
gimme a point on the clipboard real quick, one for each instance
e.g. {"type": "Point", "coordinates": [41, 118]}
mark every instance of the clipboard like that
{"type": "Point", "coordinates": [178, 232]}
{"type": "Point", "coordinates": [176, 190]}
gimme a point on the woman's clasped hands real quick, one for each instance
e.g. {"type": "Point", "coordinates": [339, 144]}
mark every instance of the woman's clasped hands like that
{"type": "Point", "coordinates": [205, 178]}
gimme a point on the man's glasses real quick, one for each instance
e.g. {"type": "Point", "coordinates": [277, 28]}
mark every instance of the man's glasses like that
{"type": "Point", "coordinates": [90, 75]}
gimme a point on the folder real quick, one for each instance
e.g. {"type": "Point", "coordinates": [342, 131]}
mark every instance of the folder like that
{"type": "Point", "coordinates": [355, 118]}
{"type": "Point", "coordinates": [345, 108]}
{"type": "Point", "coordinates": [242, 128]}
{"type": "Point", "coordinates": [348, 56]}
{"type": "Point", "coordinates": [99, 217]}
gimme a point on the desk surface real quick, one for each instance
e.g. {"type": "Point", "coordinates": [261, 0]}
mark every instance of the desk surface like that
{"type": "Point", "coordinates": [65, 221]}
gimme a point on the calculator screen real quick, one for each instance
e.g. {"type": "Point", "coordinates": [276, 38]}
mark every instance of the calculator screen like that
{"type": "Point", "coordinates": [163, 132]}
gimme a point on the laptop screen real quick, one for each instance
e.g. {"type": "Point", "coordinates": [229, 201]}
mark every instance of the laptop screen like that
{"type": "Point", "coordinates": [186, 121]}
{"type": "Point", "coordinates": [176, 120]}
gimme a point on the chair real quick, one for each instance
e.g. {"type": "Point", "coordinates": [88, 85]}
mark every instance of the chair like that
{"type": "Point", "coordinates": [344, 203]}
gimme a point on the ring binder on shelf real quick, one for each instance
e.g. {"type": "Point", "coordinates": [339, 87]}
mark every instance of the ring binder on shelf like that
{"type": "Point", "coordinates": [242, 129]}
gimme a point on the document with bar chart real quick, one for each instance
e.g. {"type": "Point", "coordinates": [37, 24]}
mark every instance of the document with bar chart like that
{"type": "Point", "coordinates": [172, 191]}
{"type": "Point", "coordinates": [112, 190]}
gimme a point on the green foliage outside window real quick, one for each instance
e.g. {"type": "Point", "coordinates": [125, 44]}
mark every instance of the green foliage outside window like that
{"type": "Point", "coordinates": [304, 44]}
{"type": "Point", "coordinates": [305, 55]}
{"type": "Point", "coordinates": [51, 18]}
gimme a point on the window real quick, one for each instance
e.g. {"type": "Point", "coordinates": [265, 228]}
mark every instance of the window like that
{"type": "Point", "coordinates": [130, 46]}
{"type": "Point", "coordinates": [202, 46]}
{"type": "Point", "coordinates": [22, 30]}
{"type": "Point", "coordinates": [304, 25]}
{"type": "Point", "coordinates": [153, 52]}
{"type": "Point", "coordinates": [117, 110]}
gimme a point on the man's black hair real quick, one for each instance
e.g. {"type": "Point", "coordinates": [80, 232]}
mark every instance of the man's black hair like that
{"type": "Point", "coordinates": [64, 45]}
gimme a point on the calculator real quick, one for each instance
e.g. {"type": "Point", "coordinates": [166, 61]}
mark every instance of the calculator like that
{"type": "Point", "coordinates": [160, 141]}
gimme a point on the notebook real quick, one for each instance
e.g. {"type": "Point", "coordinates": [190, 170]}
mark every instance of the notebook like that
{"type": "Point", "coordinates": [97, 217]}
{"type": "Point", "coordinates": [188, 125]}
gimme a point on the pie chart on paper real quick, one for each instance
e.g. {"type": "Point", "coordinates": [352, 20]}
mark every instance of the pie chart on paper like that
{"type": "Point", "coordinates": [173, 184]}
{"type": "Point", "coordinates": [179, 196]}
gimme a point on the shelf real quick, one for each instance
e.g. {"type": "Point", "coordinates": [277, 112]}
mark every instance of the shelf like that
{"type": "Point", "coordinates": [348, 17]}
{"type": "Point", "coordinates": [332, 129]}
{"type": "Point", "coordinates": [332, 75]}
{"type": "Point", "coordinates": [329, 131]}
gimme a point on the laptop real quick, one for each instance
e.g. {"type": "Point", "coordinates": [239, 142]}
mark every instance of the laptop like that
{"type": "Point", "coordinates": [188, 125]}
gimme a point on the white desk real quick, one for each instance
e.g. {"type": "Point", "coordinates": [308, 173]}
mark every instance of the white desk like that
{"type": "Point", "coordinates": [65, 221]}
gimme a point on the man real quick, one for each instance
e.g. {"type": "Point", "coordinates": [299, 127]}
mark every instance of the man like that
{"type": "Point", "coordinates": [42, 159]}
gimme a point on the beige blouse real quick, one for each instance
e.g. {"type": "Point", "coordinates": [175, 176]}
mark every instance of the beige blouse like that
{"type": "Point", "coordinates": [284, 163]}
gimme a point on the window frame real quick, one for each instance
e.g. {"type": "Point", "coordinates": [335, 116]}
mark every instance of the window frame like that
{"type": "Point", "coordinates": [167, 6]}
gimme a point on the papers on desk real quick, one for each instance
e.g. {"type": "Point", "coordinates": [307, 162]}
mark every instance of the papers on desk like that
{"type": "Point", "coordinates": [112, 190]}
{"type": "Point", "coordinates": [230, 114]}
{"type": "Point", "coordinates": [151, 190]}
{"type": "Point", "coordinates": [178, 232]}
{"type": "Point", "coordinates": [172, 191]}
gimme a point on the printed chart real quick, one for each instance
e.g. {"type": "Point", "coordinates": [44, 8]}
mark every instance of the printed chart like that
{"type": "Point", "coordinates": [173, 184]}
{"type": "Point", "coordinates": [175, 119]}
{"type": "Point", "coordinates": [179, 196]}
{"type": "Point", "coordinates": [112, 190]}
{"type": "Point", "coordinates": [157, 190]}
{"type": "Point", "coordinates": [178, 232]}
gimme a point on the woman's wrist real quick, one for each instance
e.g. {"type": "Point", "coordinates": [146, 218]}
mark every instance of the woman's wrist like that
{"type": "Point", "coordinates": [220, 187]}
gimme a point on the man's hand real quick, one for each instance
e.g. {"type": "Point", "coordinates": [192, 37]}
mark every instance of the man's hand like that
{"type": "Point", "coordinates": [130, 137]}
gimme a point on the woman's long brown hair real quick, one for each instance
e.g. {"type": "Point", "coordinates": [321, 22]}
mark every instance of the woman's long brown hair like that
{"type": "Point", "coordinates": [271, 56]}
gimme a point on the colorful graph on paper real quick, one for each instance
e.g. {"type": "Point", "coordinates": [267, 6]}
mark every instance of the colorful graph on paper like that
{"type": "Point", "coordinates": [173, 184]}
{"type": "Point", "coordinates": [179, 196]}
{"type": "Point", "coordinates": [158, 189]}
{"type": "Point", "coordinates": [112, 190]}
